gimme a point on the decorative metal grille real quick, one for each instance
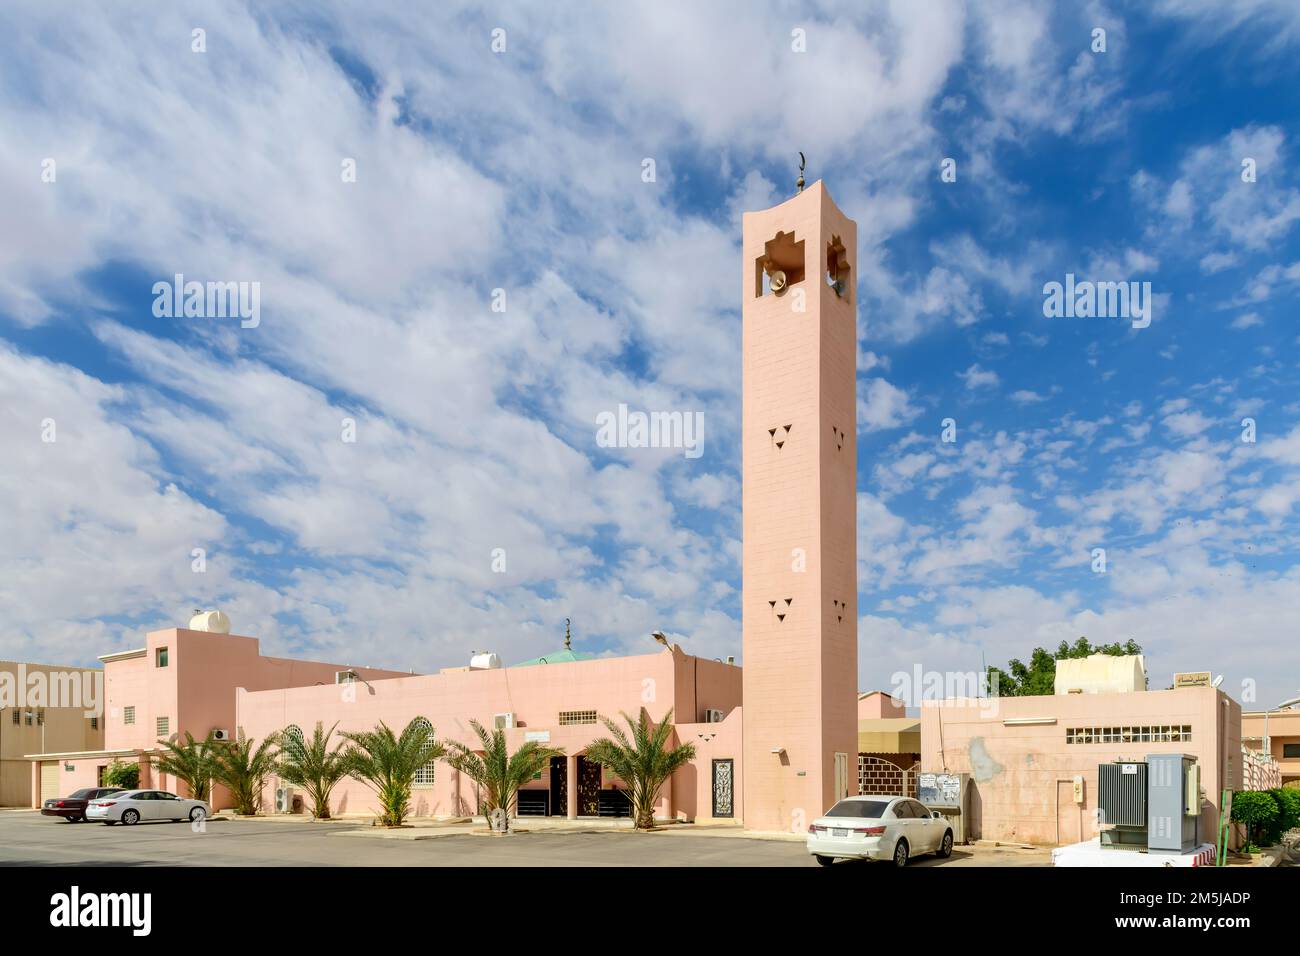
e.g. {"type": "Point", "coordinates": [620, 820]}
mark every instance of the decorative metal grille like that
{"type": "Point", "coordinates": [568, 717]}
{"type": "Point", "coordinates": [880, 776]}
{"type": "Point", "coordinates": [723, 788]}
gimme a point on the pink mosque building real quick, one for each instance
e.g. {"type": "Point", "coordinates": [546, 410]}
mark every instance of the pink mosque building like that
{"type": "Point", "coordinates": [803, 738]}
{"type": "Point", "coordinates": [773, 765]}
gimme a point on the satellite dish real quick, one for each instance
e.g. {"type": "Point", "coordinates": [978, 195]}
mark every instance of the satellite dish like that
{"type": "Point", "coordinates": [777, 280]}
{"type": "Point", "coordinates": [1217, 681]}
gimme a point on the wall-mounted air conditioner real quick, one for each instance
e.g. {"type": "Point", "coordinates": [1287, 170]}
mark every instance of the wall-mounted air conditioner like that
{"type": "Point", "coordinates": [221, 735]}
{"type": "Point", "coordinates": [345, 677]}
{"type": "Point", "coordinates": [714, 716]}
{"type": "Point", "coordinates": [503, 721]}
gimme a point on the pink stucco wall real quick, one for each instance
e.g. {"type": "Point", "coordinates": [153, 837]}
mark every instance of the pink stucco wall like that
{"type": "Point", "coordinates": [535, 695]}
{"type": "Point", "coordinates": [877, 705]}
{"type": "Point", "coordinates": [1022, 775]}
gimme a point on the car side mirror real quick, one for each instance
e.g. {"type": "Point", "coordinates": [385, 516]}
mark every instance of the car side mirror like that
{"type": "Point", "coordinates": [937, 814]}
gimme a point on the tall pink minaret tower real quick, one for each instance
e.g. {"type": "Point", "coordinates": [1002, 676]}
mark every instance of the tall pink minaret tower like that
{"type": "Point", "coordinates": [800, 510]}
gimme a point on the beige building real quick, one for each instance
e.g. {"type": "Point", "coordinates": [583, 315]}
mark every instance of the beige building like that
{"type": "Point", "coordinates": [1033, 760]}
{"type": "Point", "coordinates": [1277, 733]}
{"type": "Point", "coordinates": [45, 708]}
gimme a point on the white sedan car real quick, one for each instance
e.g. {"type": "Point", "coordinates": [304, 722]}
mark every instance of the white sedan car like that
{"type": "Point", "coordinates": [878, 827]}
{"type": "Point", "coordinates": [134, 806]}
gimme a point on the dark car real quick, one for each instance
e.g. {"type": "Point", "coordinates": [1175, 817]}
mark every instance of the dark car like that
{"type": "Point", "coordinates": [73, 808]}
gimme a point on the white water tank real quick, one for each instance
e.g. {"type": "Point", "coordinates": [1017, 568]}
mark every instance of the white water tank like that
{"type": "Point", "coordinates": [214, 622]}
{"type": "Point", "coordinates": [484, 660]}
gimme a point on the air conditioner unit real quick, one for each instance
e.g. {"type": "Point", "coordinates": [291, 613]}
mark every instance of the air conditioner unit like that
{"type": "Point", "coordinates": [714, 716]}
{"type": "Point", "coordinates": [284, 800]}
{"type": "Point", "coordinates": [221, 735]}
{"type": "Point", "coordinates": [504, 721]}
{"type": "Point", "coordinates": [345, 677]}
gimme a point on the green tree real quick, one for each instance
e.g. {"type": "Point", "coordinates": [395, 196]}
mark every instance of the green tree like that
{"type": "Point", "coordinates": [244, 769]}
{"type": "Point", "coordinates": [1038, 677]}
{"type": "Point", "coordinates": [190, 762]}
{"type": "Point", "coordinates": [122, 774]}
{"type": "Point", "coordinates": [1288, 818]}
{"type": "Point", "coordinates": [312, 765]}
{"type": "Point", "coordinates": [1258, 811]}
{"type": "Point", "coordinates": [643, 761]}
{"type": "Point", "coordinates": [388, 764]}
{"type": "Point", "coordinates": [498, 772]}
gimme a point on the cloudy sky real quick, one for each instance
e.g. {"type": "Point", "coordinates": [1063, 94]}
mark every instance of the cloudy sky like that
{"type": "Point", "coordinates": [516, 161]}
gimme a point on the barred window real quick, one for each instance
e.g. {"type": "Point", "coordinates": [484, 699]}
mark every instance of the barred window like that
{"type": "Point", "coordinates": [569, 717]}
{"type": "Point", "coordinates": [424, 776]}
{"type": "Point", "coordinates": [94, 723]}
{"type": "Point", "coordinates": [164, 726]}
{"type": "Point", "coordinates": [17, 717]}
{"type": "Point", "coordinates": [1136, 734]}
{"type": "Point", "coordinates": [128, 715]}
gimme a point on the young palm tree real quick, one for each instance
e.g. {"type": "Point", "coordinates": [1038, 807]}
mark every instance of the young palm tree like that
{"type": "Point", "coordinates": [312, 765]}
{"type": "Point", "coordinates": [191, 763]}
{"type": "Point", "coordinates": [498, 772]}
{"type": "Point", "coordinates": [388, 764]}
{"type": "Point", "coordinates": [643, 762]}
{"type": "Point", "coordinates": [243, 769]}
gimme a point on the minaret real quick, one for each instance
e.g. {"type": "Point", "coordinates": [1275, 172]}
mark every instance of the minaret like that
{"type": "Point", "coordinates": [799, 446]}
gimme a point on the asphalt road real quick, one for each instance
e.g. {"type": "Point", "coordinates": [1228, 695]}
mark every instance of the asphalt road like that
{"type": "Point", "coordinates": [28, 839]}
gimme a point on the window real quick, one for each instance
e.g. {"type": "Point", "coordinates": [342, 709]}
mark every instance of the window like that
{"type": "Point", "coordinates": [164, 726]}
{"type": "Point", "coordinates": [1142, 734]}
{"type": "Point", "coordinates": [40, 718]}
{"type": "Point", "coordinates": [294, 733]}
{"type": "Point", "coordinates": [94, 723]}
{"type": "Point", "coordinates": [869, 809]}
{"type": "Point", "coordinates": [160, 657]}
{"type": "Point", "coordinates": [1291, 750]}
{"type": "Point", "coordinates": [27, 717]}
{"type": "Point", "coordinates": [17, 718]}
{"type": "Point", "coordinates": [128, 715]}
{"type": "Point", "coordinates": [569, 717]}
{"type": "Point", "coordinates": [424, 776]}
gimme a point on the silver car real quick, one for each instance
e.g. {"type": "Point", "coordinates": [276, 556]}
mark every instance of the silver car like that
{"type": "Point", "coordinates": [136, 806]}
{"type": "Point", "coordinates": [879, 827]}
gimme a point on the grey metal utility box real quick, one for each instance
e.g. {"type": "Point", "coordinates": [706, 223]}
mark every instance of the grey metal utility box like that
{"type": "Point", "coordinates": [1173, 802]}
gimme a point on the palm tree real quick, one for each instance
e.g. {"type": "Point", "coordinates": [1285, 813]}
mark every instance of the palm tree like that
{"type": "Point", "coordinates": [643, 762]}
{"type": "Point", "coordinates": [191, 763]}
{"type": "Point", "coordinates": [498, 772]}
{"type": "Point", "coordinates": [388, 764]}
{"type": "Point", "coordinates": [312, 765]}
{"type": "Point", "coordinates": [243, 769]}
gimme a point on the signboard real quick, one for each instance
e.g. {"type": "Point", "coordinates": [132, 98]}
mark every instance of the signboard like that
{"type": "Point", "coordinates": [537, 736]}
{"type": "Point", "coordinates": [939, 789]}
{"type": "Point", "coordinates": [1129, 769]}
{"type": "Point", "coordinates": [1192, 679]}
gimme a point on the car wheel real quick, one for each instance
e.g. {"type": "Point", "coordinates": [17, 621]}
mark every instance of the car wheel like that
{"type": "Point", "coordinates": [900, 854]}
{"type": "Point", "coordinates": [945, 848]}
{"type": "Point", "coordinates": [824, 860]}
{"type": "Point", "coordinates": [197, 814]}
{"type": "Point", "coordinates": [130, 817]}
{"type": "Point", "coordinates": [76, 819]}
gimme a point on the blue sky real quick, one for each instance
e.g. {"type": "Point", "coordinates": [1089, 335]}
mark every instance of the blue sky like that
{"type": "Point", "coordinates": [521, 170]}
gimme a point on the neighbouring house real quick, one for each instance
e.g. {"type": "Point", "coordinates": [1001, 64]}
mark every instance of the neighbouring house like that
{"type": "Point", "coordinates": [44, 707]}
{"type": "Point", "coordinates": [1277, 734]}
{"type": "Point", "coordinates": [889, 745]}
{"type": "Point", "coordinates": [182, 680]}
{"type": "Point", "coordinates": [1024, 753]}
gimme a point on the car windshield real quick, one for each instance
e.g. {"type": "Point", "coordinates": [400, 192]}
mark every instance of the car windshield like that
{"type": "Point", "coordinates": [870, 809]}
